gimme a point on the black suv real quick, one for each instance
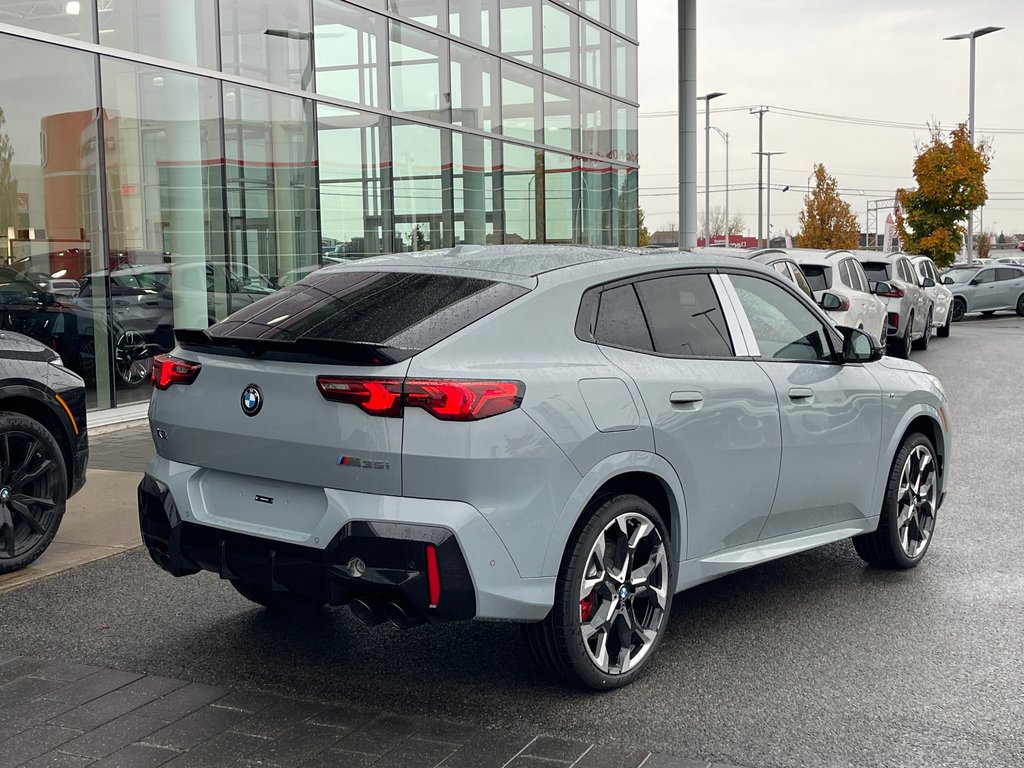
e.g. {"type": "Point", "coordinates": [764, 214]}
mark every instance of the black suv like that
{"type": "Point", "coordinates": [43, 446]}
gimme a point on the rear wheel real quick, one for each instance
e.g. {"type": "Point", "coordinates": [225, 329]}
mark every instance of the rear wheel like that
{"type": "Point", "coordinates": [33, 490]}
{"type": "Point", "coordinates": [277, 601]}
{"type": "Point", "coordinates": [944, 330]}
{"type": "Point", "coordinates": [1020, 305]}
{"type": "Point", "coordinates": [922, 343]}
{"type": "Point", "coordinates": [612, 598]}
{"type": "Point", "coordinates": [959, 309]}
{"type": "Point", "coordinates": [907, 519]}
{"type": "Point", "coordinates": [901, 346]}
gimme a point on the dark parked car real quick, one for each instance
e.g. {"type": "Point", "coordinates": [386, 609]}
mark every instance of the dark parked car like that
{"type": "Point", "coordinates": [43, 446]}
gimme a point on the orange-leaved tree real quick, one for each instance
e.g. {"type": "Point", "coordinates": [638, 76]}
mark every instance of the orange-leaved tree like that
{"type": "Point", "coordinates": [827, 221]}
{"type": "Point", "coordinates": [950, 176]}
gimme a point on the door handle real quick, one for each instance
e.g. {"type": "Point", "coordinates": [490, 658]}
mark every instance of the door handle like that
{"type": "Point", "coordinates": [801, 393]}
{"type": "Point", "coordinates": [694, 399]}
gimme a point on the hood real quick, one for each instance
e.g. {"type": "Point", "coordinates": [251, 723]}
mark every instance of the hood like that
{"type": "Point", "coordinates": [897, 364]}
{"type": "Point", "coordinates": [19, 347]}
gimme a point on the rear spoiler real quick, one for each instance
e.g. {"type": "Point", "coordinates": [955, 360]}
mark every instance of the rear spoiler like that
{"type": "Point", "coordinates": [298, 350]}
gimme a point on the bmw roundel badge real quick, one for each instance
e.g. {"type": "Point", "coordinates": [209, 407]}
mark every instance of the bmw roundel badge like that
{"type": "Point", "coordinates": [252, 400]}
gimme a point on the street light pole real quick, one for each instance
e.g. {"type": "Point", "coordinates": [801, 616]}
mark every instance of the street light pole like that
{"type": "Point", "coordinates": [728, 222]}
{"type": "Point", "coordinates": [768, 239]}
{"type": "Point", "coordinates": [706, 98]}
{"type": "Point", "coordinates": [972, 36]}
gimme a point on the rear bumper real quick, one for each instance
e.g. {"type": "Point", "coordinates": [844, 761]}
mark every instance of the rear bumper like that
{"type": "Point", "coordinates": [388, 535]}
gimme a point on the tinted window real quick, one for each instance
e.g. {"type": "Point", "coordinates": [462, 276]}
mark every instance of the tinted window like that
{"type": "Point", "coordinates": [391, 309]}
{"type": "Point", "coordinates": [781, 268]}
{"type": "Point", "coordinates": [877, 271]}
{"type": "Point", "coordinates": [801, 281]}
{"type": "Point", "coordinates": [860, 280]}
{"type": "Point", "coordinates": [819, 277]}
{"type": "Point", "coordinates": [620, 321]}
{"type": "Point", "coordinates": [785, 329]}
{"type": "Point", "coordinates": [15, 288]}
{"type": "Point", "coordinates": [986, 276]}
{"type": "Point", "coordinates": [684, 316]}
{"type": "Point", "coordinates": [844, 273]}
{"type": "Point", "coordinates": [960, 275]}
{"type": "Point", "coordinates": [1005, 273]}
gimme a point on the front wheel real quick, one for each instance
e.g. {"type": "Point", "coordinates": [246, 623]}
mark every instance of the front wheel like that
{"type": "Point", "coordinates": [959, 309]}
{"type": "Point", "coordinates": [907, 519]}
{"type": "Point", "coordinates": [1020, 305]}
{"type": "Point", "coordinates": [612, 598]}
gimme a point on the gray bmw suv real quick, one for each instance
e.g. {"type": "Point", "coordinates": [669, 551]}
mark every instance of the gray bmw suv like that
{"type": "Point", "coordinates": [563, 437]}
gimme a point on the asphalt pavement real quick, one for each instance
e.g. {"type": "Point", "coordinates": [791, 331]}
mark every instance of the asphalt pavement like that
{"type": "Point", "coordinates": [815, 660]}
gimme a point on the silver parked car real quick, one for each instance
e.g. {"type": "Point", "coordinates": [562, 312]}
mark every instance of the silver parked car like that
{"type": "Point", "coordinates": [909, 306]}
{"type": "Point", "coordinates": [986, 289]}
{"type": "Point", "coordinates": [942, 298]}
{"type": "Point", "coordinates": [559, 436]}
{"type": "Point", "coordinates": [776, 258]}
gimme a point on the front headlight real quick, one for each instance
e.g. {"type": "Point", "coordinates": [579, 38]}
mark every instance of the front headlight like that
{"type": "Point", "coordinates": [57, 361]}
{"type": "Point", "coordinates": [938, 385]}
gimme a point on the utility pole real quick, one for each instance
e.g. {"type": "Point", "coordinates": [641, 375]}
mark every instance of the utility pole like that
{"type": "Point", "coordinates": [728, 222]}
{"type": "Point", "coordinates": [760, 171]}
{"type": "Point", "coordinates": [687, 124]}
{"type": "Point", "coordinates": [706, 98]}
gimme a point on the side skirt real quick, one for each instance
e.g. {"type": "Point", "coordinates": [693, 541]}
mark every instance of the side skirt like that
{"type": "Point", "coordinates": [702, 569]}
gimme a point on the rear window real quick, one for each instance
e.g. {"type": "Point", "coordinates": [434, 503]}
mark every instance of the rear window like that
{"type": "Point", "coordinates": [401, 312]}
{"type": "Point", "coordinates": [877, 272]}
{"type": "Point", "coordinates": [819, 278]}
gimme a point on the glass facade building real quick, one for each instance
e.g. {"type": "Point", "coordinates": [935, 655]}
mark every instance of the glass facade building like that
{"type": "Point", "coordinates": [166, 162]}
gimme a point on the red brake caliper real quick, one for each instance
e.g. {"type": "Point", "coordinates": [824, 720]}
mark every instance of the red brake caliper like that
{"type": "Point", "coordinates": [587, 607]}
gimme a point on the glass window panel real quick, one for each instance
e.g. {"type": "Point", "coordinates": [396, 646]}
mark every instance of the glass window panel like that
{"type": "Point", "coordinates": [596, 9]}
{"type": "Point", "coordinates": [620, 321]}
{"type": "Point", "coordinates": [476, 96]}
{"type": "Point", "coordinates": [419, 188]}
{"type": "Point", "coordinates": [561, 114]}
{"type": "Point", "coordinates": [517, 29]}
{"type": "Point", "coordinates": [595, 202]}
{"type": "Point", "coordinates": [419, 73]}
{"type": "Point", "coordinates": [624, 17]}
{"type": "Point", "coordinates": [521, 103]}
{"type": "Point", "coordinates": [268, 40]}
{"type": "Point", "coordinates": [624, 71]}
{"type": "Point", "coordinates": [432, 13]}
{"type": "Point", "coordinates": [595, 50]}
{"type": "Point", "coordinates": [50, 217]}
{"type": "Point", "coordinates": [184, 31]}
{"type": "Point", "coordinates": [477, 207]}
{"type": "Point", "coordinates": [520, 190]}
{"type": "Point", "coordinates": [350, 52]}
{"type": "Point", "coordinates": [624, 206]}
{"type": "Point", "coordinates": [271, 184]}
{"type": "Point", "coordinates": [561, 192]}
{"type": "Point", "coordinates": [785, 329]}
{"type": "Point", "coordinates": [685, 316]}
{"type": "Point", "coordinates": [560, 41]}
{"type": "Point", "coordinates": [595, 119]}
{"type": "Point", "coordinates": [58, 17]}
{"type": "Point", "coordinates": [351, 218]}
{"type": "Point", "coordinates": [475, 20]}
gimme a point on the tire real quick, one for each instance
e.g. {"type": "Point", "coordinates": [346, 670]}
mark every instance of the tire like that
{"type": "Point", "coordinates": [903, 510]}
{"type": "Point", "coordinates": [276, 601]}
{"type": "Point", "coordinates": [922, 343]}
{"type": "Point", "coordinates": [959, 309]}
{"type": "Point", "coordinates": [572, 640]}
{"type": "Point", "coordinates": [33, 490]}
{"type": "Point", "coordinates": [943, 332]}
{"type": "Point", "coordinates": [901, 348]}
{"type": "Point", "coordinates": [1020, 305]}
{"type": "Point", "coordinates": [132, 359]}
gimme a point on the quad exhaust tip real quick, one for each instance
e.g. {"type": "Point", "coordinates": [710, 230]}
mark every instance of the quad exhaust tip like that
{"type": "Point", "coordinates": [373, 612]}
{"type": "Point", "coordinates": [402, 616]}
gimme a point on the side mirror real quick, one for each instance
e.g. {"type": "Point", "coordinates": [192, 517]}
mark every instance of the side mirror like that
{"type": "Point", "coordinates": [830, 302]}
{"type": "Point", "coordinates": [927, 283]}
{"type": "Point", "coordinates": [947, 280]}
{"type": "Point", "coordinates": [49, 298]}
{"type": "Point", "coordinates": [881, 288]}
{"type": "Point", "coordinates": [860, 347]}
{"type": "Point", "coordinates": [976, 281]}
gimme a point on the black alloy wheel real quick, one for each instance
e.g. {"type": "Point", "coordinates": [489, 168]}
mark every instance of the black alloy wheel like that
{"type": "Point", "coordinates": [1020, 305]}
{"type": "Point", "coordinates": [132, 359]}
{"type": "Point", "coordinates": [943, 332]}
{"type": "Point", "coordinates": [33, 490]}
{"type": "Point", "coordinates": [922, 343]}
{"type": "Point", "coordinates": [959, 309]}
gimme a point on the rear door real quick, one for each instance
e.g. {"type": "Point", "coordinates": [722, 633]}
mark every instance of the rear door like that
{"type": "Point", "coordinates": [831, 414]}
{"type": "Point", "coordinates": [1011, 283]}
{"type": "Point", "coordinates": [360, 328]}
{"type": "Point", "coordinates": [715, 416]}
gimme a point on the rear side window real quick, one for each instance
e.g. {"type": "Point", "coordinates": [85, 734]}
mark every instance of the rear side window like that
{"type": "Point", "coordinates": [397, 310]}
{"type": "Point", "coordinates": [844, 273]}
{"type": "Point", "coordinates": [860, 280]}
{"type": "Point", "coordinates": [684, 316]}
{"type": "Point", "coordinates": [819, 278]}
{"type": "Point", "coordinates": [801, 281]}
{"type": "Point", "coordinates": [877, 271]}
{"type": "Point", "coordinates": [620, 321]}
{"type": "Point", "coordinates": [1007, 273]}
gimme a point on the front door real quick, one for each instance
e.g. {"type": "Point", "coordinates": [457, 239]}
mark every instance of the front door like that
{"type": "Point", "coordinates": [831, 414]}
{"type": "Point", "coordinates": [986, 292]}
{"type": "Point", "coordinates": [715, 416]}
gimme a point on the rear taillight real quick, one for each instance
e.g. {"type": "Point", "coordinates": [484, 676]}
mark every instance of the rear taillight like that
{"type": "Point", "coordinates": [445, 399]}
{"type": "Point", "coordinates": [895, 293]}
{"type": "Point", "coordinates": [169, 370]}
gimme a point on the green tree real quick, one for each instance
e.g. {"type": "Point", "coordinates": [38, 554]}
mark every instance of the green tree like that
{"type": "Point", "coordinates": [8, 184]}
{"type": "Point", "coordinates": [950, 174]}
{"type": "Point", "coordinates": [643, 236]}
{"type": "Point", "coordinates": [827, 221]}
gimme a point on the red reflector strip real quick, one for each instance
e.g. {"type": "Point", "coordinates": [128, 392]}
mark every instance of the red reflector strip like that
{"type": "Point", "coordinates": [433, 576]}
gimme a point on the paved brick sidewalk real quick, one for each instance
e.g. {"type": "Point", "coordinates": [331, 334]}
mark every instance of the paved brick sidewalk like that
{"type": "Point", "coordinates": [59, 715]}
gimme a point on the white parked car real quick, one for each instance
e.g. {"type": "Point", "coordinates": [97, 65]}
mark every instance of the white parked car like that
{"type": "Point", "coordinates": [941, 296]}
{"type": "Point", "coordinates": [909, 307]}
{"type": "Point", "coordinates": [841, 288]}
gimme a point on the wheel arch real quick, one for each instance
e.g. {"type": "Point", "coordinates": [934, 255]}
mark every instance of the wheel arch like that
{"type": "Point", "coordinates": [926, 420]}
{"type": "Point", "coordinates": [646, 475]}
{"type": "Point", "coordinates": [41, 406]}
